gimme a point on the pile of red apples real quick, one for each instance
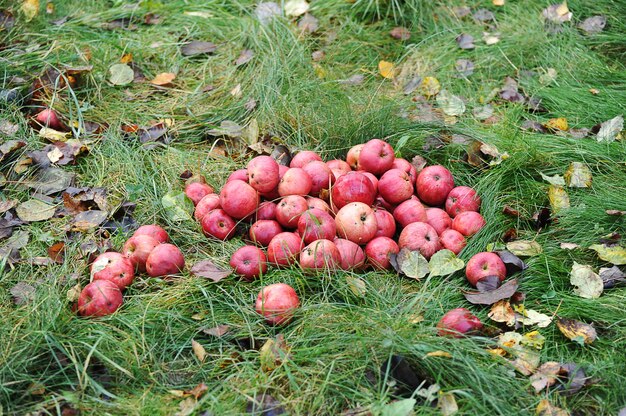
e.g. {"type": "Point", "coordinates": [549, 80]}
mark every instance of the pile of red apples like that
{"type": "Point", "coordinates": [341, 214]}
{"type": "Point", "coordinates": [147, 251]}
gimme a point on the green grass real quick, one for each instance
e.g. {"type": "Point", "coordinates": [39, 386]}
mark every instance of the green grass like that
{"type": "Point", "coordinates": [129, 362]}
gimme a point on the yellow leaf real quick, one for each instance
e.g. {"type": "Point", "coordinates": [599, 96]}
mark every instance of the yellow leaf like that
{"type": "Point", "coordinates": [126, 58]}
{"type": "Point", "coordinates": [30, 8]}
{"type": "Point", "coordinates": [443, 354]}
{"type": "Point", "coordinates": [559, 199]}
{"type": "Point", "coordinates": [524, 248]}
{"type": "Point", "coordinates": [430, 87]}
{"type": "Point", "coordinates": [545, 408]}
{"type": "Point", "coordinates": [614, 254]}
{"type": "Point", "coordinates": [53, 135]}
{"type": "Point", "coordinates": [556, 124]}
{"type": "Point", "coordinates": [319, 71]}
{"type": "Point", "coordinates": [577, 331]}
{"type": "Point", "coordinates": [533, 339]}
{"type": "Point", "coordinates": [562, 9]}
{"type": "Point", "coordinates": [49, 7]}
{"type": "Point", "coordinates": [74, 293]}
{"type": "Point", "coordinates": [587, 283]}
{"type": "Point", "coordinates": [199, 350]}
{"type": "Point", "coordinates": [498, 2]}
{"type": "Point", "coordinates": [273, 353]}
{"type": "Point", "coordinates": [447, 404]}
{"type": "Point", "coordinates": [497, 351]}
{"type": "Point", "coordinates": [578, 175]}
{"type": "Point", "coordinates": [163, 79]}
{"type": "Point", "coordinates": [386, 69]}
{"type": "Point", "coordinates": [501, 311]}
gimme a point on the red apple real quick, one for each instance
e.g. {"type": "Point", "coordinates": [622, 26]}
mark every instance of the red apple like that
{"type": "Point", "coordinates": [277, 303]}
{"type": "Point", "coordinates": [164, 260]}
{"type": "Point", "coordinates": [405, 165]}
{"type": "Point", "coordinates": [457, 322]}
{"type": "Point", "coordinates": [295, 182]}
{"type": "Point", "coordinates": [353, 187]}
{"type": "Point", "coordinates": [153, 231]}
{"type": "Point", "coordinates": [239, 174]}
{"type": "Point", "coordinates": [338, 167]}
{"type": "Point", "coordinates": [468, 223]}
{"type": "Point", "coordinates": [484, 264]}
{"type": "Point", "coordinates": [395, 186]}
{"type": "Point", "coordinates": [49, 118]}
{"type": "Point", "coordinates": [218, 224]}
{"type": "Point", "coordinates": [262, 231]}
{"type": "Point", "coordinates": [266, 211]}
{"type": "Point", "coordinates": [99, 298]}
{"type": "Point", "coordinates": [320, 254]}
{"type": "Point", "coordinates": [452, 240]}
{"type": "Point", "coordinates": [321, 176]}
{"type": "Point", "coordinates": [356, 222]}
{"type": "Point", "coordinates": [352, 256]}
{"type": "Point", "coordinates": [376, 157]}
{"type": "Point", "coordinates": [438, 219]}
{"type": "Point", "coordinates": [380, 202]}
{"type": "Point", "coordinates": [238, 199]}
{"type": "Point", "coordinates": [197, 190]}
{"type": "Point", "coordinates": [284, 248]}
{"type": "Point", "coordinates": [315, 224]}
{"type": "Point", "coordinates": [433, 184]}
{"type": "Point", "coordinates": [114, 267]}
{"type": "Point", "coordinates": [303, 158]}
{"type": "Point", "coordinates": [372, 179]}
{"type": "Point", "coordinates": [289, 209]}
{"type": "Point", "coordinates": [318, 204]}
{"type": "Point", "coordinates": [410, 211]}
{"type": "Point", "coordinates": [378, 251]}
{"type": "Point", "coordinates": [263, 173]}
{"type": "Point", "coordinates": [460, 199]}
{"type": "Point", "coordinates": [206, 204]}
{"type": "Point", "coordinates": [352, 158]}
{"type": "Point", "coordinates": [137, 249]}
{"type": "Point", "coordinates": [420, 236]}
{"type": "Point", "coordinates": [249, 262]}
{"type": "Point", "coordinates": [386, 224]}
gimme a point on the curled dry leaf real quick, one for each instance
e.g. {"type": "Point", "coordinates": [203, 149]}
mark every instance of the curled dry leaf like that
{"type": "Point", "coordinates": [308, 23]}
{"type": "Point", "coordinates": [245, 56]}
{"type": "Point", "coordinates": [429, 87]}
{"type": "Point", "coordinates": [612, 276]}
{"type": "Point", "coordinates": [578, 175]}
{"type": "Point", "coordinates": [556, 124]}
{"type": "Point", "coordinates": [502, 311]}
{"type": "Point", "coordinates": [492, 296]}
{"type": "Point", "coordinates": [163, 79]}
{"type": "Point", "coordinates": [218, 331]}
{"type": "Point", "coordinates": [546, 375]}
{"type": "Point", "coordinates": [587, 284]}
{"type": "Point", "coordinates": [577, 331]}
{"type": "Point", "coordinates": [513, 263]}
{"type": "Point", "coordinates": [273, 353]}
{"type": "Point", "coordinates": [569, 246]}
{"type": "Point", "coordinates": [206, 268]}
{"type": "Point", "coordinates": [613, 254]}
{"type": "Point", "coordinates": [192, 48]}
{"type": "Point", "coordinates": [88, 220]}
{"type": "Point", "coordinates": [545, 408]}
{"type": "Point", "coordinates": [198, 350]}
{"type": "Point", "coordinates": [491, 38]}
{"type": "Point", "coordinates": [447, 404]}
{"type": "Point", "coordinates": [295, 8]}
{"type": "Point", "coordinates": [615, 212]}
{"type": "Point", "coordinates": [465, 68]}
{"type": "Point", "coordinates": [556, 180]}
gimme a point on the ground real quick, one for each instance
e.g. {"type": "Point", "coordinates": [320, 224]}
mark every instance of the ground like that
{"type": "Point", "coordinates": [140, 360]}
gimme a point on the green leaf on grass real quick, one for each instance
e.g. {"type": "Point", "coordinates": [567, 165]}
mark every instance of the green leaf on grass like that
{"type": "Point", "coordinates": [450, 104]}
{"type": "Point", "coordinates": [615, 254]}
{"type": "Point", "coordinates": [34, 210]}
{"type": "Point", "coordinates": [587, 283]}
{"type": "Point", "coordinates": [444, 262]}
{"type": "Point", "coordinates": [177, 205]}
{"type": "Point", "coordinates": [121, 74]}
{"type": "Point", "coordinates": [399, 408]}
{"type": "Point", "coordinates": [412, 264]}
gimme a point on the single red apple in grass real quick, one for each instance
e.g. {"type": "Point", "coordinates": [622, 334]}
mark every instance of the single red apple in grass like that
{"type": "Point", "coordinates": [196, 191]}
{"type": "Point", "coordinates": [410, 211]}
{"type": "Point", "coordinates": [379, 250]}
{"type": "Point", "coordinates": [207, 203]}
{"type": "Point", "coordinates": [266, 211]}
{"type": "Point", "coordinates": [352, 256]}
{"type": "Point", "coordinates": [406, 166]}
{"type": "Point", "coordinates": [277, 303]}
{"type": "Point", "coordinates": [238, 199]}
{"type": "Point", "coordinates": [318, 204]}
{"type": "Point", "coordinates": [438, 219]}
{"type": "Point", "coordinates": [321, 177]}
{"type": "Point", "coordinates": [433, 184]}
{"type": "Point", "coordinates": [304, 157]}
{"type": "Point", "coordinates": [295, 182]}
{"type": "Point", "coordinates": [395, 186]}
{"type": "Point", "coordinates": [114, 267]}
{"type": "Point", "coordinates": [262, 231]}
{"type": "Point", "coordinates": [49, 118]}
{"type": "Point", "coordinates": [468, 223]}
{"type": "Point", "coordinates": [376, 157]}
{"type": "Point", "coordinates": [99, 298]}
{"type": "Point", "coordinates": [218, 224]}
{"type": "Point", "coordinates": [338, 167]}
{"type": "Point", "coordinates": [352, 187]}
{"type": "Point", "coordinates": [385, 222]}
{"type": "Point", "coordinates": [461, 199]}
{"type": "Point", "coordinates": [457, 322]}
{"type": "Point", "coordinates": [352, 158]}
{"type": "Point", "coordinates": [239, 174]}
{"type": "Point", "coordinates": [320, 254]}
{"type": "Point", "coordinates": [289, 209]}
{"type": "Point", "coordinates": [263, 173]}
{"type": "Point", "coordinates": [153, 231]}
{"type": "Point", "coordinates": [137, 249]}
{"type": "Point", "coordinates": [356, 222]}
{"type": "Point", "coordinates": [420, 236]}
{"type": "Point", "coordinates": [452, 240]}
{"type": "Point", "coordinates": [484, 264]}
{"type": "Point", "coordinates": [284, 248]}
{"type": "Point", "coordinates": [249, 262]}
{"type": "Point", "coordinates": [165, 259]}
{"type": "Point", "coordinates": [315, 224]}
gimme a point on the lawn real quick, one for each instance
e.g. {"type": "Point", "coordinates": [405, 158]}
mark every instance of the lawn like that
{"type": "Point", "coordinates": [531, 89]}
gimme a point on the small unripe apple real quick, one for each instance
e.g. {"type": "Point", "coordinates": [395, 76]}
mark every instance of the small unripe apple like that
{"type": "Point", "coordinates": [99, 298]}
{"type": "Point", "coordinates": [277, 303]}
{"type": "Point", "coordinates": [165, 259]}
{"type": "Point", "coordinates": [249, 262]}
{"type": "Point", "coordinates": [457, 322]}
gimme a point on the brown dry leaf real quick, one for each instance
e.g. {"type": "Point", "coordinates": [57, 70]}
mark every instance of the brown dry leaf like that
{"type": "Point", "coordinates": [218, 331]}
{"type": "Point", "coordinates": [57, 252]}
{"type": "Point", "coordinates": [207, 269]}
{"type": "Point", "coordinates": [88, 220]}
{"type": "Point", "coordinates": [556, 124]}
{"type": "Point", "coordinates": [6, 205]}
{"type": "Point", "coordinates": [559, 199]}
{"type": "Point", "coordinates": [587, 284]}
{"type": "Point", "coordinates": [615, 212]}
{"type": "Point", "coordinates": [195, 47]}
{"type": "Point", "coordinates": [577, 331]}
{"type": "Point", "coordinates": [22, 293]}
{"type": "Point", "coordinates": [546, 375]}
{"type": "Point", "coordinates": [245, 56]}
{"type": "Point", "coordinates": [545, 408]}
{"type": "Point", "coordinates": [198, 391]}
{"type": "Point", "coordinates": [163, 79]}
{"type": "Point", "coordinates": [492, 296]}
{"type": "Point", "coordinates": [502, 311]}
{"type": "Point", "coordinates": [400, 33]}
{"type": "Point", "coordinates": [198, 350]}
{"type": "Point", "coordinates": [34, 210]}
{"type": "Point", "coordinates": [429, 87]}
{"type": "Point", "coordinates": [186, 407]}
{"type": "Point", "coordinates": [578, 175]}
{"type": "Point", "coordinates": [386, 69]}
{"type": "Point", "coordinates": [273, 353]}
{"type": "Point", "coordinates": [126, 58]}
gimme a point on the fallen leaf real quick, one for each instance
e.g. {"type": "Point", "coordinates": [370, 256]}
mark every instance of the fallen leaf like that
{"type": "Point", "coordinates": [546, 375]}
{"type": "Point", "coordinates": [7, 223]}
{"type": "Point", "coordinates": [556, 180]}
{"type": "Point", "coordinates": [236, 92]}
{"type": "Point", "coordinates": [548, 77]}
{"type": "Point", "coordinates": [74, 293]}
{"type": "Point", "coordinates": [30, 9]}
{"type": "Point", "coordinates": [483, 112]}
{"type": "Point", "coordinates": [502, 311]}
{"type": "Point", "coordinates": [22, 293]}
{"type": "Point", "coordinates": [556, 124]}
{"type": "Point", "coordinates": [121, 74]}
{"type": "Point", "coordinates": [572, 378]}
{"type": "Point", "coordinates": [186, 407]}
{"type": "Point", "coordinates": [192, 48]}
{"type": "Point", "coordinates": [593, 25]}
{"type": "Point", "coordinates": [545, 408]}
{"type": "Point", "coordinates": [218, 331]}
{"type": "Point", "coordinates": [356, 285]}
{"type": "Point", "coordinates": [198, 350]}
{"type": "Point", "coordinates": [88, 220]}
{"type": "Point", "coordinates": [163, 79]}
{"type": "Point", "coordinates": [524, 248]}
{"type": "Point", "coordinates": [557, 13]}
{"type": "Point", "coordinates": [513, 263]}
{"type": "Point", "coordinates": [57, 252]}
{"type": "Point", "coordinates": [498, 2]}
{"type": "Point", "coordinates": [559, 199]}
{"type": "Point", "coordinates": [245, 56]}
{"type": "Point", "coordinates": [8, 129]}
{"type": "Point", "coordinates": [442, 354]}
{"type": "Point", "coordinates": [429, 87]}
{"type": "Point", "coordinates": [576, 331]}
{"type": "Point", "coordinates": [265, 405]}
{"type": "Point", "coordinates": [34, 210]}
{"type": "Point", "coordinates": [206, 268]}
{"type": "Point", "coordinates": [266, 11]}
{"type": "Point", "coordinates": [177, 205]}
{"type": "Point", "coordinates": [54, 135]}
{"type": "Point", "coordinates": [578, 175]}
{"type": "Point", "coordinates": [295, 8]}
{"type": "Point", "coordinates": [532, 317]}
{"type": "Point", "coordinates": [465, 68]}
{"type": "Point", "coordinates": [491, 38]}
{"type": "Point", "coordinates": [7, 21]}
{"type": "Point", "coordinates": [411, 263]}
{"type": "Point", "coordinates": [586, 282]}
{"type": "Point", "coordinates": [610, 129]}
{"type": "Point", "coordinates": [569, 246]}
{"type": "Point", "coordinates": [492, 296]}
{"type": "Point", "coordinates": [615, 212]}
{"type": "Point", "coordinates": [612, 254]}
{"type": "Point", "coordinates": [400, 33]}
{"type": "Point", "coordinates": [611, 276]}
{"type": "Point", "coordinates": [317, 56]}
{"type": "Point", "coordinates": [465, 41]}
{"type": "Point", "coordinates": [399, 408]}
{"type": "Point", "coordinates": [447, 404]}
{"type": "Point", "coordinates": [386, 69]}
{"type": "Point", "coordinates": [308, 23]}
{"type": "Point", "coordinates": [273, 353]}
{"type": "Point", "coordinates": [444, 262]}
{"type": "Point", "coordinates": [450, 104]}
{"type": "Point", "coordinates": [204, 15]}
